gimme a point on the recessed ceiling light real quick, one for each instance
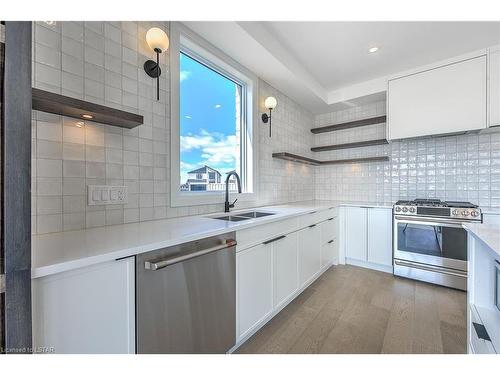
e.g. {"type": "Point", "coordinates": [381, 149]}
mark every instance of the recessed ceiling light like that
{"type": "Point", "coordinates": [373, 49]}
{"type": "Point", "coordinates": [87, 116]}
{"type": "Point", "coordinates": [217, 106]}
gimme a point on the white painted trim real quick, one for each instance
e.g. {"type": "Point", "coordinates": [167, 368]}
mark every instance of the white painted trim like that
{"type": "Point", "coordinates": [372, 266]}
{"type": "Point", "coordinates": [358, 90]}
{"type": "Point", "coordinates": [180, 34]}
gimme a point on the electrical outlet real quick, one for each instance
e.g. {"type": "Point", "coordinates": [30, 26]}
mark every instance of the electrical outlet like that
{"type": "Point", "coordinates": [107, 194]}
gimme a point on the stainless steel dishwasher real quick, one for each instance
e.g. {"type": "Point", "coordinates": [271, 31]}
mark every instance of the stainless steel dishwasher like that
{"type": "Point", "coordinates": [186, 297]}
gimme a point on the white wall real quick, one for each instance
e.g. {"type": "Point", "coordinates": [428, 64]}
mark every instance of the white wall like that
{"type": "Point", "coordinates": [102, 62]}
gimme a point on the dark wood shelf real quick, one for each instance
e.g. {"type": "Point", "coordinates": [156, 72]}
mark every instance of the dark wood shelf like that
{"type": "Point", "coordinates": [356, 160]}
{"type": "Point", "coordinates": [302, 159]}
{"type": "Point", "coordinates": [340, 146]}
{"type": "Point", "coordinates": [46, 101]}
{"type": "Point", "coordinates": [350, 125]}
{"type": "Point", "coordinates": [295, 158]}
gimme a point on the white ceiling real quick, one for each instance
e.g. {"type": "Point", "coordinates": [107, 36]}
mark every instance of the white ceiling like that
{"type": "Point", "coordinates": [336, 53]}
{"type": "Point", "coordinates": [324, 65]}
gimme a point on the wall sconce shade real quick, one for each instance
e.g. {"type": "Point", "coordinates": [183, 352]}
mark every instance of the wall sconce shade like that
{"type": "Point", "coordinates": [158, 41]}
{"type": "Point", "coordinates": [270, 103]}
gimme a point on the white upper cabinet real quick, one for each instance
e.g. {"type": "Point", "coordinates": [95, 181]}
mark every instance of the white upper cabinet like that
{"type": "Point", "coordinates": [447, 99]}
{"type": "Point", "coordinates": [494, 87]}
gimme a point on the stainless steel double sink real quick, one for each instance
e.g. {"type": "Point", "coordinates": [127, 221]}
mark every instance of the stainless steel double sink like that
{"type": "Point", "coordinates": [240, 216]}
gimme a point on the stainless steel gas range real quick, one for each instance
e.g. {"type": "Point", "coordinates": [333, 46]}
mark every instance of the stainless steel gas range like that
{"type": "Point", "coordinates": [429, 242]}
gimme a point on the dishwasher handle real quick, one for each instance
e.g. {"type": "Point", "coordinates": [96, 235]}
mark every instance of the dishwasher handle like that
{"type": "Point", "coordinates": [154, 266]}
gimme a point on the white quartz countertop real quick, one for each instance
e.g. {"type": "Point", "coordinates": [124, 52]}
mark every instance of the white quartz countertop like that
{"type": "Point", "coordinates": [487, 233]}
{"type": "Point", "coordinates": [63, 251]}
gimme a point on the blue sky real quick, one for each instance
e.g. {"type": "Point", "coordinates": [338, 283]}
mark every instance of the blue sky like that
{"type": "Point", "coordinates": [207, 118]}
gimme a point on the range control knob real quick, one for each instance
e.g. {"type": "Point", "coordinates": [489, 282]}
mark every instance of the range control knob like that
{"type": "Point", "coordinates": [465, 213]}
{"type": "Point", "coordinates": [474, 213]}
{"type": "Point", "coordinates": [456, 212]}
{"type": "Point", "coordinates": [398, 209]}
{"type": "Point", "coordinates": [412, 210]}
{"type": "Point", "coordinates": [405, 209]}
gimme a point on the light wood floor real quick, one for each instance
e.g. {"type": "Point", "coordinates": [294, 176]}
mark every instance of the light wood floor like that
{"type": "Point", "coordinates": [356, 310]}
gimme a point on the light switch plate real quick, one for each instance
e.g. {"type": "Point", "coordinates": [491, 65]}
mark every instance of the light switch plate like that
{"type": "Point", "coordinates": [106, 194]}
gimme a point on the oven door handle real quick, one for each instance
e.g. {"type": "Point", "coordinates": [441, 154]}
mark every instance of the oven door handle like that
{"type": "Point", "coordinates": [428, 221]}
{"type": "Point", "coordinates": [429, 268]}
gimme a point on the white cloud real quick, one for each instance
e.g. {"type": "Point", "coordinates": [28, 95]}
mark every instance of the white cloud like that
{"type": "Point", "coordinates": [184, 74]}
{"type": "Point", "coordinates": [217, 150]}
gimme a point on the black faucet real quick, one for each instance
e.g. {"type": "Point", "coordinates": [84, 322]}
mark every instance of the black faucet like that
{"type": "Point", "coordinates": [227, 206]}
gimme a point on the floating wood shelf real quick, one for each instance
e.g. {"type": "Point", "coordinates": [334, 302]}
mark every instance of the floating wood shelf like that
{"type": "Point", "coordinates": [64, 105]}
{"type": "Point", "coordinates": [350, 145]}
{"type": "Point", "coordinates": [296, 158]}
{"type": "Point", "coordinates": [356, 160]}
{"type": "Point", "coordinates": [301, 159]}
{"type": "Point", "coordinates": [350, 125]}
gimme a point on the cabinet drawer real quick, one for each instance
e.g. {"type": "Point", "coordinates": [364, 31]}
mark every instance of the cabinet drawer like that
{"type": "Point", "coordinates": [328, 230]}
{"type": "Point", "coordinates": [317, 217]}
{"type": "Point", "coordinates": [253, 236]}
{"type": "Point", "coordinates": [479, 346]}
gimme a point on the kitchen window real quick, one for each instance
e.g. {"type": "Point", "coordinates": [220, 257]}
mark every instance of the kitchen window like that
{"type": "Point", "coordinates": [212, 127]}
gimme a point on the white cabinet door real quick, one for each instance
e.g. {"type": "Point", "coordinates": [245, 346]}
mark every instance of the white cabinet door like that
{"type": "Point", "coordinates": [328, 255]}
{"type": "Point", "coordinates": [356, 233]}
{"type": "Point", "coordinates": [254, 287]}
{"type": "Point", "coordinates": [89, 310]}
{"type": "Point", "coordinates": [380, 236]}
{"type": "Point", "coordinates": [328, 239]}
{"type": "Point", "coordinates": [309, 253]}
{"type": "Point", "coordinates": [447, 99]}
{"type": "Point", "coordinates": [286, 268]}
{"type": "Point", "coordinates": [494, 100]}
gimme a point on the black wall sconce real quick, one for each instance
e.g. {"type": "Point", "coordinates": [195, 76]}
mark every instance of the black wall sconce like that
{"type": "Point", "coordinates": [158, 41]}
{"type": "Point", "coordinates": [270, 103]}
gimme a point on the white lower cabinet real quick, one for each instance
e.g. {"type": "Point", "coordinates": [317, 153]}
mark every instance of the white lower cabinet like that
{"type": "Point", "coordinates": [254, 287]}
{"type": "Point", "coordinates": [89, 310]}
{"type": "Point", "coordinates": [329, 242]}
{"type": "Point", "coordinates": [274, 271]}
{"type": "Point", "coordinates": [309, 253]}
{"type": "Point", "coordinates": [286, 271]}
{"type": "Point", "coordinates": [356, 233]}
{"type": "Point", "coordinates": [368, 237]}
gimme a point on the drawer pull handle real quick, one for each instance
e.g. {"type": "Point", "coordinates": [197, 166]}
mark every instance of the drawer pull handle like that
{"type": "Point", "coordinates": [274, 239]}
{"type": "Point", "coordinates": [331, 218]}
{"type": "Point", "coordinates": [312, 226]}
{"type": "Point", "coordinates": [481, 331]}
{"type": "Point", "coordinates": [330, 241]}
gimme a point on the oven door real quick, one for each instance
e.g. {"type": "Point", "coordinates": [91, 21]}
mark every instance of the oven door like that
{"type": "Point", "coordinates": [440, 243]}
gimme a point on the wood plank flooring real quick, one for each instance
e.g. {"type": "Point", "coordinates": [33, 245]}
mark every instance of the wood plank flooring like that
{"type": "Point", "coordinates": [356, 310]}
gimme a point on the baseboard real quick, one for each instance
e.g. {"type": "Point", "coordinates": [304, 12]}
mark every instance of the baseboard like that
{"type": "Point", "coordinates": [373, 266]}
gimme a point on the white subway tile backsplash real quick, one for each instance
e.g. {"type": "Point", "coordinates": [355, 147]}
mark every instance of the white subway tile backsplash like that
{"type": "Point", "coordinates": [49, 168]}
